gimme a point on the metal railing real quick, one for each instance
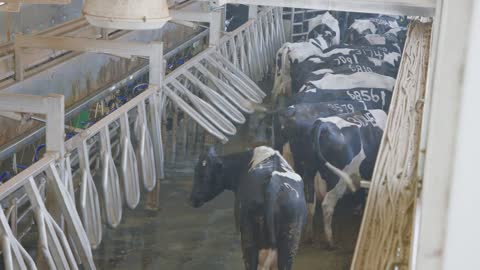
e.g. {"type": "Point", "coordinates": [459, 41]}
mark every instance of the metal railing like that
{"type": "Point", "coordinates": [57, 249]}
{"type": "Point", "coordinates": [214, 88]}
{"type": "Point", "coordinates": [253, 47]}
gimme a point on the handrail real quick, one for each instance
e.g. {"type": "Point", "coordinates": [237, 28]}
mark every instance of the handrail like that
{"type": "Point", "coordinates": [8, 150]}
{"type": "Point", "coordinates": [85, 230]}
{"type": "Point", "coordinates": [56, 246]}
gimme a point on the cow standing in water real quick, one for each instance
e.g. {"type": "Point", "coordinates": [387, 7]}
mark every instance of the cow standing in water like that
{"type": "Point", "coordinates": [270, 208]}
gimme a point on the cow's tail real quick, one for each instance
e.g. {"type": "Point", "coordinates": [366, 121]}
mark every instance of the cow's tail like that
{"type": "Point", "coordinates": [318, 129]}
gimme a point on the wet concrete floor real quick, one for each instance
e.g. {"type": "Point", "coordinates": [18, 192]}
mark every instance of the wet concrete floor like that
{"type": "Point", "coordinates": [178, 237]}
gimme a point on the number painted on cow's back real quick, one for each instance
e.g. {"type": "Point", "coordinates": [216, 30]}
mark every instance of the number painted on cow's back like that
{"type": "Point", "coordinates": [342, 108]}
{"type": "Point", "coordinates": [345, 59]}
{"type": "Point", "coordinates": [367, 95]}
{"type": "Point", "coordinates": [377, 53]}
{"type": "Point", "coordinates": [362, 120]}
{"type": "Point", "coordinates": [360, 68]}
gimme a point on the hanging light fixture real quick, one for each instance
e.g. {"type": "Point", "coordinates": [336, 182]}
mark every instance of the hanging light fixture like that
{"type": "Point", "coordinates": [127, 14]}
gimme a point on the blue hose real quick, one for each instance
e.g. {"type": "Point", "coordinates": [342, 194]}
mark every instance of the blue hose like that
{"type": "Point", "coordinates": [5, 176]}
{"type": "Point", "coordinates": [37, 152]}
{"type": "Point", "coordinates": [70, 135]}
{"type": "Point", "coordinates": [139, 87]}
{"type": "Point", "coordinates": [21, 167]}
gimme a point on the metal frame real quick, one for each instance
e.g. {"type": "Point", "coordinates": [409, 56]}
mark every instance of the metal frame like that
{"type": "Point", "coordinates": [392, 7]}
{"type": "Point", "coordinates": [241, 50]}
{"type": "Point", "coordinates": [7, 151]}
{"type": "Point", "coordinates": [52, 106]}
{"type": "Point", "coordinates": [154, 52]}
{"type": "Point", "coordinates": [15, 5]}
{"type": "Point", "coordinates": [56, 247]}
{"type": "Point", "coordinates": [120, 48]}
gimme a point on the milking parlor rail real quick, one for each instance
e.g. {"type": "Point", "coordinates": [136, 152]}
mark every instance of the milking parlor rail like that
{"type": "Point", "coordinates": [47, 194]}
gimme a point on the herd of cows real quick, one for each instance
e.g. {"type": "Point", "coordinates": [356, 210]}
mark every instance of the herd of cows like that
{"type": "Point", "coordinates": [331, 97]}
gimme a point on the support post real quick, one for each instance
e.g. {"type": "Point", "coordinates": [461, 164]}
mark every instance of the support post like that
{"type": "Point", "coordinates": [19, 71]}
{"type": "Point", "coordinates": [55, 126]}
{"type": "Point", "coordinates": [55, 143]}
{"type": "Point", "coordinates": [156, 77]}
{"type": "Point", "coordinates": [252, 12]}
{"type": "Point", "coordinates": [217, 22]}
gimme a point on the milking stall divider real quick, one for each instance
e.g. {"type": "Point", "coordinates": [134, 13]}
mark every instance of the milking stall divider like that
{"type": "Point", "coordinates": [391, 229]}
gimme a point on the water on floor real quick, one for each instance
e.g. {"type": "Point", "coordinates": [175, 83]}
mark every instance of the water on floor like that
{"type": "Point", "coordinates": [178, 237]}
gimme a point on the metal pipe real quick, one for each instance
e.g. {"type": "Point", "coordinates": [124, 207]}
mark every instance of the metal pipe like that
{"type": "Point", "coordinates": [7, 150]}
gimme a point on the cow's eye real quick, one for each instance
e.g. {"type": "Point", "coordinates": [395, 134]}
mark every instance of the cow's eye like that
{"type": "Point", "coordinates": [204, 163]}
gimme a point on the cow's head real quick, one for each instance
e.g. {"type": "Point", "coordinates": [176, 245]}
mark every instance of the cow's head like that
{"type": "Point", "coordinates": [207, 182]}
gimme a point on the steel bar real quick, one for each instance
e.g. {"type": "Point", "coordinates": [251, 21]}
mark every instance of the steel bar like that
{"type": "Point", "coordinates": [230, 92]}
{"type": "Point", "coordinates": [129, 168]}
{"type": "Point", "coordinates": [424, 8]}
{"type": "Point", "coordinates": [55, 249]}
{"type": "Point", "coordinates": [218, 100]}
{"type": "Point", "coordinates": [195, 115]}
{"type": "Point", "coordinates": [89, 202]}
{"type": "Point", "coordinates": [13, 256]}
{"type": "Point", "coordinates": [144, 151]}
{"type": "Point", "coordinates": [215, 117]}
{"type": "Point", "coordinates": [254, 94]}
{"type": "Point", "coordinates": [112, 196]}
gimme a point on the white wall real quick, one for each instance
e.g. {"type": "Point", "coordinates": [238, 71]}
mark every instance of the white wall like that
{"type": "Point", "coordinates": [462, 244]}
{"type": "Point", "coordinates": [450, 220]}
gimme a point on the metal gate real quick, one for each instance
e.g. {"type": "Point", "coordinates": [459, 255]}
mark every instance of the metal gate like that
{"type": "Point", "coordinates": [215, 88]}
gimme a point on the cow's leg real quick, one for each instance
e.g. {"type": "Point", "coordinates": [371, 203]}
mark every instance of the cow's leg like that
{"type": "Point", "coordinates": [328, 207]}
{"type": "Point", "coordinates": [320, 187]}
{"type": "Point", "coordinates": [288, 246]}
{"type": "Point", "coordinates": [308, 180]}
{"type": "Point", "coordinates": [267, 259]}
{"type": "Point", "coordinates": [249, 247]}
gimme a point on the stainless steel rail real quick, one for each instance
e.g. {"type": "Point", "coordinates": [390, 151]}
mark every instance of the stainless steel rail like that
{"type": "Point", "coordinates": [219, 73]}
{"type": "Point", "coordinates": [8, 150]}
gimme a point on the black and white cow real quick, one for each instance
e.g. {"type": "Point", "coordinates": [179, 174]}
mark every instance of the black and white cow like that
{"type": "Point", "coordinates": [326, 26]}
{"type": "Point", "coordinates": [345, 60]}
{"type": "Point", "coordinates": [269, 202]}
{"type": "Point", "coordinates": [235, 16]}
{"type": "Point", "coordinates": [340, 59]}
{"type": "Point", "coordinates": [293, 136]}
{"type": "Point", "coordinates": [371, 24]}
{"type": "Point", "coordinates": [325, 33]}
{"type": "Point", "coordinates": [376, 89]}
{"type": "Point", "coordinates": [346, 148]}
{"type": "Point", "coordinates": [296, 121]}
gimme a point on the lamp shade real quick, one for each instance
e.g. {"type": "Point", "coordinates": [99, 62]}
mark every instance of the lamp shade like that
{"type": "Point", "coordinates": [127, 14]}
